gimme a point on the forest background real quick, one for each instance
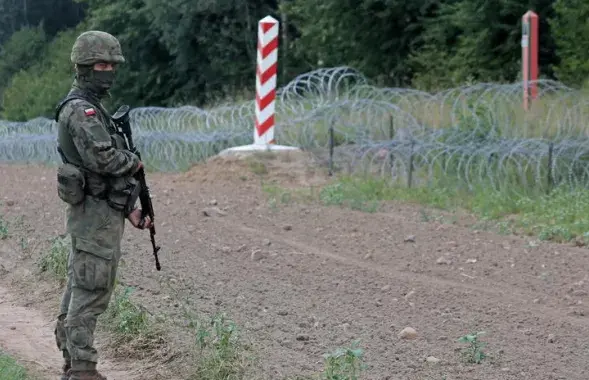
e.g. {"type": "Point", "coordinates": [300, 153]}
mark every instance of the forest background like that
{"type": "Point", "coordinates": [200, 52]}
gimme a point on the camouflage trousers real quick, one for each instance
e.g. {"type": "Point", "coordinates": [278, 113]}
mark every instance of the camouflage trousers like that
{"type": "Point", "coordinates": [96, 231]}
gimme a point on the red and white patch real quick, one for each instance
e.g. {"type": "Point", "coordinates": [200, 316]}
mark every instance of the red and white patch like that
{"type": "Point", "coordinates": [90, 112]}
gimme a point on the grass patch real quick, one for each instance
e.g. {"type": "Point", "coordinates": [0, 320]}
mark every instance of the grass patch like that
{"type": "Point", "coordinates": [217, 347]}
{"type": "Point", "coordinates": [221, 353]}
{"type": "Point", "coordinates": [560, 216]}
{"type": "Point", "coordinates": [258, 168]}
{"type": "Point", "coordinates": [133, 331]}
{"type": "Point", "coordinates": [278, 196]}
{"type": "Point", "coordinates": [124, 317]}
{"type": "Point", "coordinates": [11, 370]}
{"type": "Point", "coordinates": [55, 260]}
{"type": "Point", "coordinates": [4, 231]}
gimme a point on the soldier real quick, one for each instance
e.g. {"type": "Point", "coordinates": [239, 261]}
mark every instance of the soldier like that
{"type": "Point", "coordinates": [96, 181]}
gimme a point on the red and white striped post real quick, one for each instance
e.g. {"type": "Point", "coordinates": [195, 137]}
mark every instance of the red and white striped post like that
{"type": "Point", "coordinates": [267, 61]}
{"type": "Point", "coordinates": [266, 72]}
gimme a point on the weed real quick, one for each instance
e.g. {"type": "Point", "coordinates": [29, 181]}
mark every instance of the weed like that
{"type": "Point", "coordinates": [3, 228]}
{"type": "Point", "coordinates": [258, 168]}
{"type": "Point", "coordinates": [280, 196]}
{"type": "Point", "coordinates": [277, 195]}
{"type": "Point", "coordinates": [349, 195]}
{"type": "Point", "coordinates": [124, 317]}
{"type": "Point", "coordinates": [343, 363]}
{"type": "Point", "coordinates": [221, 354]}
{"type": "Point", "coordinates": [474, 352]}
{"type": "Point", "coordinates": [55, 260]}
{"type": "Point", "coordinates": [561, 216]}
{"type": "Point", "coordinates": [133, 332]}
{"type": "Point", "coordinates": [11, 370]}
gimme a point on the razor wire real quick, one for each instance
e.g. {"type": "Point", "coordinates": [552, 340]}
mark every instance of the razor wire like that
{"type": "Point", "coordinates": [478, 134]}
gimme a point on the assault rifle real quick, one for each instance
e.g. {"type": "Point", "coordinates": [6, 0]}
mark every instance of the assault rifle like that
{"type": "Point", "coordinates": [121, 119]}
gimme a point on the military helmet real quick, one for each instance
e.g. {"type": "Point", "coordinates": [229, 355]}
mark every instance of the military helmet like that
{"type": "Point", "coordinates": [95, 46]}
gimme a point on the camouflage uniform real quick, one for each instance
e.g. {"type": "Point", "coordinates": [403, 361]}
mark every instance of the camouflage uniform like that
{"type": "Point", "coordinates": [95, 218]}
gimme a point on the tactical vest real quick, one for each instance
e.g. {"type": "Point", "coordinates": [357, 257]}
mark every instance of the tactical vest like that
{"type": "Point", "coordinates": [71, 155]}
{"type": "Point", "coordinates": [74, 181]}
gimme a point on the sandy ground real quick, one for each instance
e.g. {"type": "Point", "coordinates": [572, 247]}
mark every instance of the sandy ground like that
{"type": "Point", "coordinates": [301, 279]}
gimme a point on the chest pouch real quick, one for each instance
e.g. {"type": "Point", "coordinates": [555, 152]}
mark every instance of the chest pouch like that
{"type": "Point", "coordinates": [70, 184]}
{"type": "Point", "coordinates": [123, 193]}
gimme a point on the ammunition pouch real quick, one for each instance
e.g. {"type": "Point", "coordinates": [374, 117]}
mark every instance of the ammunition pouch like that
{"type": "Point", "coordinates": [123, 193]}
{"type": "Point", "coordinates": [71, 184]}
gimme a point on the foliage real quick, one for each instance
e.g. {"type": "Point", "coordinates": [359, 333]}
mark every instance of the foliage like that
{"type": "Point", "coordinates": [571, 29]}
{"type": "Point", "coordinates": [37, 90]}
{"type": "Point", "coordinates": [124, 317]}
{"type": "Point", "coordinates": [4, 231]}
{"type": "Point", "coordinates": [20, 52]}
{"type": "Point", "coordinates": [478, 40]}
{"type": "Point", "coordinates": [474, 352]}
{"type": "Point", "coordinates": [55, 261]}
{"type": "Point", "coordinates": [181, 52]}
{"type": "Point", "coordinates": [344, 363]}
{"type": "Point", "coordinates": [559, 216]}
{"type": "Point", "coordinates": [11, 370]}
{"type": "Point", "coordinates": [329, 34]}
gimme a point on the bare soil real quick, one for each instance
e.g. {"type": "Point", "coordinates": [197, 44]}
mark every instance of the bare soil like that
{"type": "Point", "coordinates": [301, 279]}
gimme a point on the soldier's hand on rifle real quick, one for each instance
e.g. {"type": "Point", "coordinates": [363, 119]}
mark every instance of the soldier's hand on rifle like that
{"type": "Point", "coordinates": [139, 166]}
{"type": "Point", "coordinates": [136, 220]}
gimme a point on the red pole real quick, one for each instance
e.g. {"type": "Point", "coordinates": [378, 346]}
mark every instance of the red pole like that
{"type": "Point", "coordinates": [530, 46]}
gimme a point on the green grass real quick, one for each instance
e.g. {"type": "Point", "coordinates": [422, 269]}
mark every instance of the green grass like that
{"type": "Point", "coordinates": [221, 350]}
{"type": "Point", "coordinates": [11, 370]}
{"type": "Point", "coordinates": [561, 215]}
{"type": "Point", "coordinates": [133, 332]}
{"type": "Point", "coordinates": [4, 230]}
{"type": "Point", "coordinates": [54, 261]}
{"type": "Point", "coordinates": [218, 350]}
{"type": "Point", "coordinates": [124, 317]}
{"type": "Point", "coordinates": [221, 354]}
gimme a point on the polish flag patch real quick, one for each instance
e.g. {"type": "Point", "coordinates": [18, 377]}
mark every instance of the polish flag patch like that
{"type": "Point", "coordinates": [90, 112]}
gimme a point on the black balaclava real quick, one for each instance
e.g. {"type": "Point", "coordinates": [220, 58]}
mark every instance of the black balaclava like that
{"type": "Point", "coordinates": [97, 82]}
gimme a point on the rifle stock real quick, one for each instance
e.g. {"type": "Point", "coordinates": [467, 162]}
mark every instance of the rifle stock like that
{"type": "Point", "coordinates": [121, 119]}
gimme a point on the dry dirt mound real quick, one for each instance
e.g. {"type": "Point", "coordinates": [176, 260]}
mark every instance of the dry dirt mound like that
{"type": "Point", "coordinates": [288, 168]}
{"type": "Point", "coordinates": [303, 279]}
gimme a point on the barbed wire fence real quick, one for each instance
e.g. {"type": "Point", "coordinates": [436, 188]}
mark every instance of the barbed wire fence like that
{"type": "Point", "coordinates": [478, 135]}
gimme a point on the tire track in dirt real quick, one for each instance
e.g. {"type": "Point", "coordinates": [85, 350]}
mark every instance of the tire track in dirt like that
{"type": "Point", "coordinates": [493, 291]}
{"type": "Point", "coordinates": [303, 261]}
{"type": "Point", "coordinates": [302, 288]}
{"type": "Point", "coordinates": [511, 322]}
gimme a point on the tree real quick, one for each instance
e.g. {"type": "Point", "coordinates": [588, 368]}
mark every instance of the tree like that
{"type": "Point", "coordinates": [570, 28]}
{"type": "Point", "coordinates": [373, 36]}
{"type": "Point", "coordinates": [477, 40]}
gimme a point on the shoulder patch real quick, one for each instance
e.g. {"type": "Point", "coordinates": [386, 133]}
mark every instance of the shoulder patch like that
{"type": "Point", "coordinates": [90, 111]}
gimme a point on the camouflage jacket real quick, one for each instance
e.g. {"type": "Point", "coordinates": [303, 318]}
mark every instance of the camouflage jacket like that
{"type": "Point", "coordinates": [86, 136]}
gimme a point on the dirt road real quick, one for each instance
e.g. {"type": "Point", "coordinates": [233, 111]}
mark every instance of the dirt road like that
{"type": "Point", "coordinates": [302, 279]}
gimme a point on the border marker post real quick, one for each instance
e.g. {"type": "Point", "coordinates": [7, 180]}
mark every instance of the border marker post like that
{"type": "Point", "coordinates": [266, 75]}
{"type": "Point", "coordinates": [529, 57]}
